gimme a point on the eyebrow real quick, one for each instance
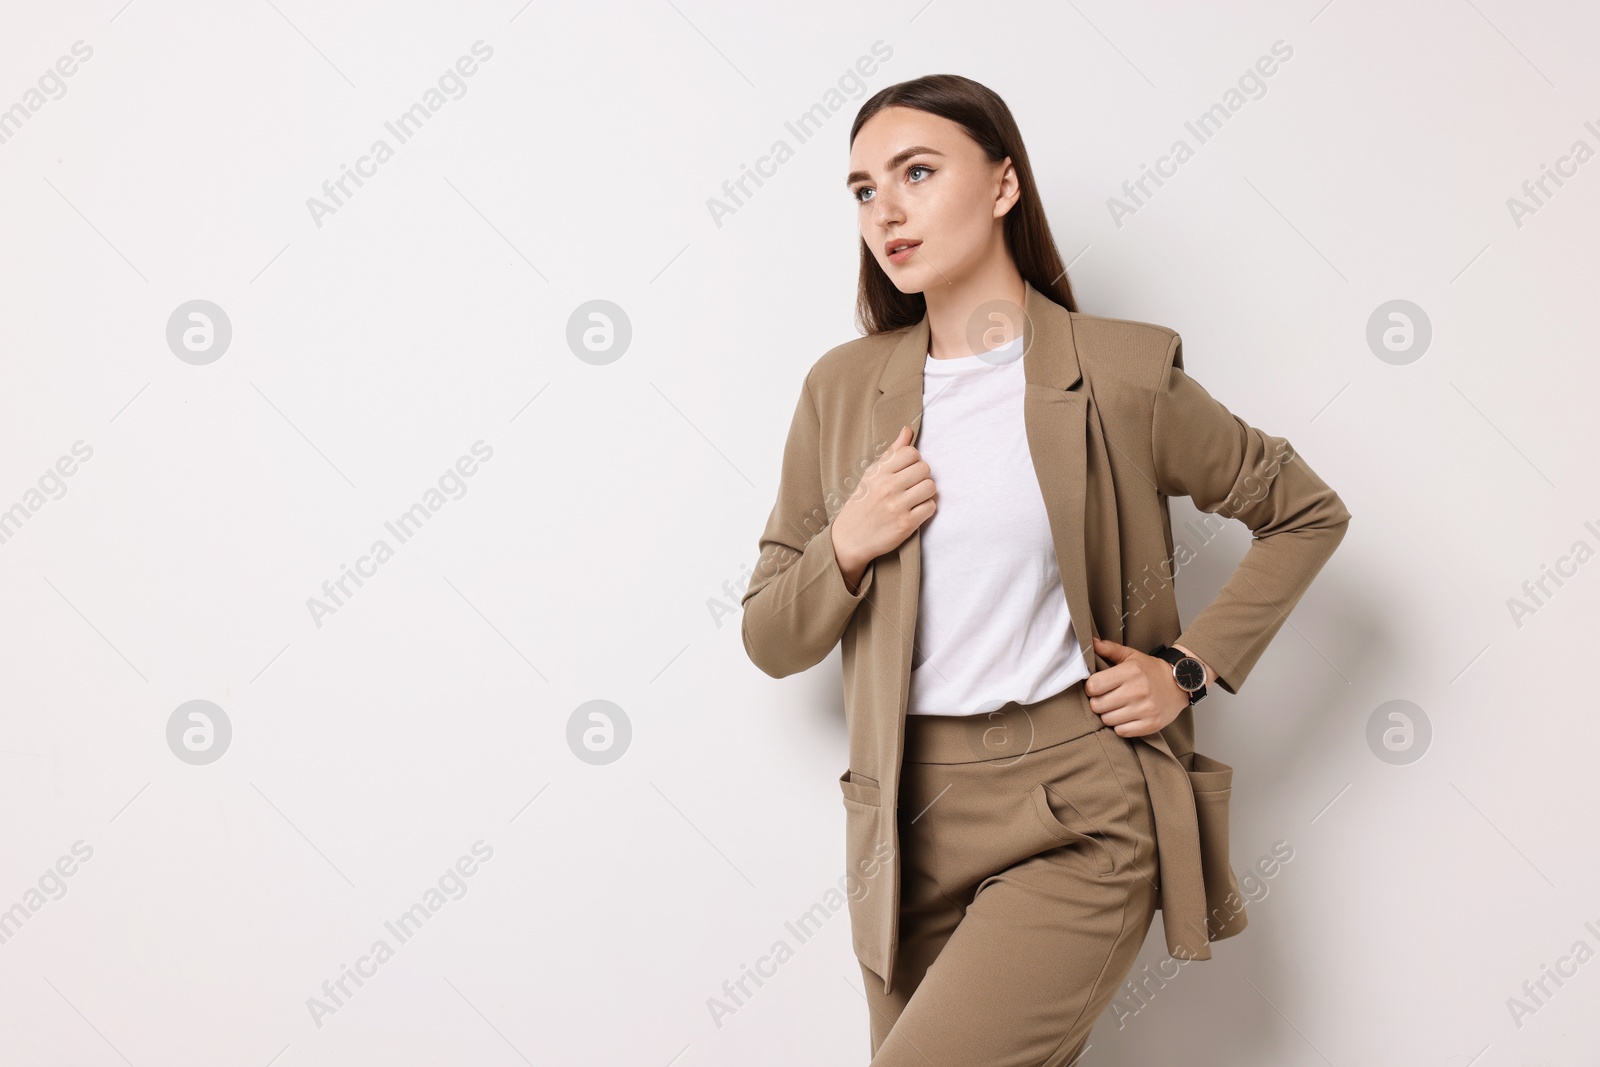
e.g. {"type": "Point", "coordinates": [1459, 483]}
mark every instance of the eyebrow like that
{"type": "Point", "coordinates": [894, 161]}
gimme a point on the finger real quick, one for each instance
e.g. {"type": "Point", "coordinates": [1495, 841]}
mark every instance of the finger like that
{"type": "Point", "coordinates": [913, 472]}
{"type": "Point", "coordinates": [1111, 650]}
{"type": "Point", "coordinates": [917, 493]}
{"type": "Point", "coordinates": [1107, 682]}
{"type": "Point", "coordinates": [901, 440]}
{"type": "Point", "coordinates": [898, 458]}
{"type": "Point", "coordinates": [1113, 708]}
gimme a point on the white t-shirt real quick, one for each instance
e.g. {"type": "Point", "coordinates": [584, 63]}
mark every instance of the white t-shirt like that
{"type": "Point", "coordinates": [992, 618]}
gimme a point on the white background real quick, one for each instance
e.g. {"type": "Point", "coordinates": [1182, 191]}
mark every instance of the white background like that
{"type": "Point", "coordinates": [599, 554]}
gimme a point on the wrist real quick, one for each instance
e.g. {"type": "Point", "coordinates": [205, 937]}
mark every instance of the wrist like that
{"type": "Point", "coordinates": [1188, 672]}
{"type": "Point", "coordinates": [850, 567]}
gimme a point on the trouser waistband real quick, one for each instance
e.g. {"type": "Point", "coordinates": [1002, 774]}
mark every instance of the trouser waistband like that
{"type": "Point", "coordinates": [1008, 732]}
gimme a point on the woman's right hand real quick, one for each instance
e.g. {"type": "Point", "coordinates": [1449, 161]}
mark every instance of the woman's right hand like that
{"type": "Point", "coordinates": [895, 497]}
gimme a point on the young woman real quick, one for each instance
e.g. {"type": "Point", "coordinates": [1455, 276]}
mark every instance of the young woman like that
{"type": "Point", "coordinates": [973, 505]}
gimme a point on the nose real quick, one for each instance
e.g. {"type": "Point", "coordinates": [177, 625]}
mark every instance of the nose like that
{"type": "Point", "coordinates": [887, 209]}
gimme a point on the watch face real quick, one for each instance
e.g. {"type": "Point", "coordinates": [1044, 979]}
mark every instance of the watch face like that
{"type": "Point", "coordinates": [1189, 673]}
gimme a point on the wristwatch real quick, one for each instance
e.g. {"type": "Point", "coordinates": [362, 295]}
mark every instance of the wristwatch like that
{"type": "Point", "coordinates": [1188, 672]}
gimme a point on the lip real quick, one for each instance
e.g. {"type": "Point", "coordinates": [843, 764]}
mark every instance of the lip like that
{"type": "Point", "coordinates": [903, 255]}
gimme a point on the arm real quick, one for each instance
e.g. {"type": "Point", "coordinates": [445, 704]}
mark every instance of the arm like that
{"type": "Point", "coordinates": [1205, 452]}
{"type": "Point", "coordinates": [798, 603]}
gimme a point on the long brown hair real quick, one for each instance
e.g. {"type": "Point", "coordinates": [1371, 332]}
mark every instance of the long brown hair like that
{"type": "Point", "coordinates": [978, 110]}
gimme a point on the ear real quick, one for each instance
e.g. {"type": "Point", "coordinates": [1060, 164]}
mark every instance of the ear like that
{"type": "Point", "coordinates": [1010, 188]}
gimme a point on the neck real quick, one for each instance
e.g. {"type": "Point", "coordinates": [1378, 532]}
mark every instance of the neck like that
{"type": "Point", "coordinates": [977, 312]}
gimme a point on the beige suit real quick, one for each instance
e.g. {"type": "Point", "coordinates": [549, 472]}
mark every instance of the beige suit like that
{"type": "Point", "coordinates": [1115, 427]}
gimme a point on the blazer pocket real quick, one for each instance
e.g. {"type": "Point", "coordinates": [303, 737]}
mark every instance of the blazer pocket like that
{"type": "Point", "coordinates": [863, 827]}
{"type": "Point", "coordinates": [1212, 782]}
{"type": "Point", "coordinates": [1058, 829]}
{"type": "Point", "coordinates": [860, 789]}
{"type": "Point", "coordinates": [1208, 775]}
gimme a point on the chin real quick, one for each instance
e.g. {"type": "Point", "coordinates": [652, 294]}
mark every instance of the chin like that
{"type": "Point", "coordinates": [908, 282]}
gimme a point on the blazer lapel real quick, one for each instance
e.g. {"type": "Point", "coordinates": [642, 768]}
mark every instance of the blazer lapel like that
{"type": "Point", "coordinates": [900, 404]}
{"type": "Point", "coordinates": [1056, 411]}
{"type": "Point", "coordinates": [1055, 416]}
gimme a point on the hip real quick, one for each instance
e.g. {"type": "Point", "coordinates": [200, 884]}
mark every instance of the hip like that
{"type": "Point", "coordinates": [984, 793]}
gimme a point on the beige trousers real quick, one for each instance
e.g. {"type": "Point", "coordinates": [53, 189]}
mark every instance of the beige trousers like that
{"type": "Point", "coordinates": [1029, 882]}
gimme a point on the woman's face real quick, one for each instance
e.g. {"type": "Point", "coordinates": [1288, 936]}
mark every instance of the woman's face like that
{"type": "Point", "coordinates": [918, 177]}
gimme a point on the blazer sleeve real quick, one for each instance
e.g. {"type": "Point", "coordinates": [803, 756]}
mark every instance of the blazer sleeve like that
{"type": "Point", "coordinates": [797, 605]}
{"type": "Point", "coordinates": [1227, 467]}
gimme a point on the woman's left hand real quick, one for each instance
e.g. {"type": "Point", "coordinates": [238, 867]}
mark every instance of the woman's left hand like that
{"type": "Point", "coordinates": [1137, 694]}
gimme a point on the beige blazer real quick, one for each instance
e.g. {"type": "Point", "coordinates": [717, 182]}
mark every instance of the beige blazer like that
{"type": "Point", "coordinates": [1116, 427]}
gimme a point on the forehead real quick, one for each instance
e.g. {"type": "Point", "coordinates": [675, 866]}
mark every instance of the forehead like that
{"type": "Point", "coordinates": [895, 129]}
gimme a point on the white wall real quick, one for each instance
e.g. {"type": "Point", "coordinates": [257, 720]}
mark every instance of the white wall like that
{"type": "Point", "coordinates": [369, 751]}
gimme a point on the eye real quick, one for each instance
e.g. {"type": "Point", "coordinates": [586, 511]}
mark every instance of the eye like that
{"type": "Point", "coordinates": [858, 194]}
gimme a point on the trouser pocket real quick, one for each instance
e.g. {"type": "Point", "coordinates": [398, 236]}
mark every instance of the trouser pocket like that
{"type": "Point", "coordinates": [1081, 802]}
{"type": "Point", "coordinates": [1054, 824]}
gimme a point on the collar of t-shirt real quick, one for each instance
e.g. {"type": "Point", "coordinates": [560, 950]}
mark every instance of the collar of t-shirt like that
{"type": "Point", "coordinates": [1004, 355]}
